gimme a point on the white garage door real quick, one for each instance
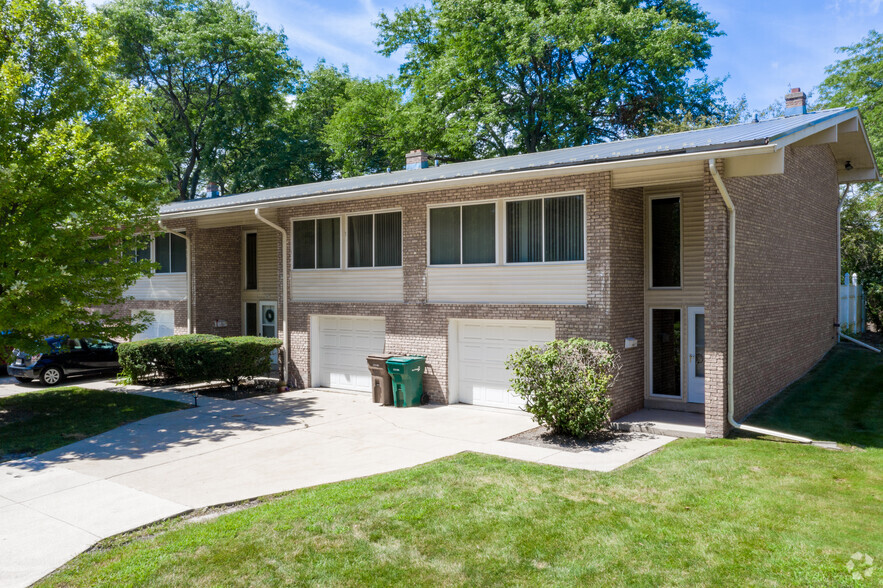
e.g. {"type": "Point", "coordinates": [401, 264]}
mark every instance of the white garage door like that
{"type": "Point", "coordinates": [340, 347]}
{"type": "Point", "coordinates": [482, 349]}
{"type": "Point", "coordinates": [162, 325]}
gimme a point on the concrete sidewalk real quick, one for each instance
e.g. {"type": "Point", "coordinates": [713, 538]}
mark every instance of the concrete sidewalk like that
{"type": "Point", "coordinates": [57, 504]}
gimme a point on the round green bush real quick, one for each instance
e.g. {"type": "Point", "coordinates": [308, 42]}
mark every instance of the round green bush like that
{"type": "Point", "coordinates": [565, 384]}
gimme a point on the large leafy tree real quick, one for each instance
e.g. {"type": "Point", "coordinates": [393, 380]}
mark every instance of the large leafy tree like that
{"type": "Point", "coordinates": [213, 70]}
{"type": "Point", "coordinates": [77, 180]}
{"type": "Point", "coordinates": [857, 80]}
{"type": "Point", "coordinates": [511, 76]}
{"type": "Point", "coordinates": [286, 149]}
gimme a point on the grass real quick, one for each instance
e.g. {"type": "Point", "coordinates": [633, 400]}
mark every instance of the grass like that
{"type": "Point", "coordinates": [34, 422]}
{"type": "Point", "coordinates": [841, 400]}
{"type": "Point", "coordinates": [697, 513]}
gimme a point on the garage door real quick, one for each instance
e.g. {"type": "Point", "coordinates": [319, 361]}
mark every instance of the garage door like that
{"type": "Point", "coordinates": [340, 347]}
{"type": "Point", "coordinates": [482, 349]}
{"type": "Point", "coordinates": [162, 325]}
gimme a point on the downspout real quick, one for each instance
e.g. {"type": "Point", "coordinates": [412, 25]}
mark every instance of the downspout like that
{"type": "Point", "coordinates": [286, 335]}
{"type": "Point", "coordinates": [189, 276]}
{"type": "Point", "coordinates": [731, 298]}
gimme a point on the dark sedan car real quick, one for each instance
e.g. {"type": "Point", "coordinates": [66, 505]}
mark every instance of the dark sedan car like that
{"type": "Point", "coordinates": [69, 356]}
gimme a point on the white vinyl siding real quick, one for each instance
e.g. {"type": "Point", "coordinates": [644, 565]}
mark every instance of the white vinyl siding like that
{"type": "Point", "coordinates": [340, 346]}
{"type": "Point", "coordinates": [356, 285]}
{"type": "Point", "coordinates": [267, 264]}
{"type": "Point", "coordinates": [160, 287]}
{"type": "Point", "coordinates": [508, 284]}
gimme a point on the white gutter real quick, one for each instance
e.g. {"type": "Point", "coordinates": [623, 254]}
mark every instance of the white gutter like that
{"type": "Point", "coordinates": [189, 276]}
{"type": "Point", "coordinates": [286, 334]}
{"type": "Point", "coordinates": [731, 297]}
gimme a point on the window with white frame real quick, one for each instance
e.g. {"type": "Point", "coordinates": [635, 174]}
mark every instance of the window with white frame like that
{"type": "Point", "coordinates": [545, 230]}
{"type": "Point", "coordinates": [665, 242]}
{"type": "Point", "coordinates": [462, 234]}
{"type": "Point", "coordinates": [316, 243]}
{"type": "Point", "coordinates": [169, 251]}
{"type": "Point", "coordinates": [374, 240]}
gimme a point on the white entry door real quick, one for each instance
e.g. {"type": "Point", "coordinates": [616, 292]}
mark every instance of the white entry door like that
{"type": "Point", "coordinates": [482, 347]}
{"type": "Point", "coordinates": [340, 347]}
{"type": "Point", "coordinates": [696, 355]}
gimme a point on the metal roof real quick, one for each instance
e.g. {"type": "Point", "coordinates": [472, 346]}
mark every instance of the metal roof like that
{"type": "Point", "coordinates": [714, 138]}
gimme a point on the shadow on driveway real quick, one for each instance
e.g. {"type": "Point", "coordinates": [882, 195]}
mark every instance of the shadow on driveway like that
{"type": "Point", "coordinates": [174, 435]}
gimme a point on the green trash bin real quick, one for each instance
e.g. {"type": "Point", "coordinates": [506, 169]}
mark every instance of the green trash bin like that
{"type": "Point", "coordinates": [406, 373]}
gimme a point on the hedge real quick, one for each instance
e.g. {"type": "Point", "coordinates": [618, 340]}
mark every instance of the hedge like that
{"type": "Point", "coordinates": [197, 358]}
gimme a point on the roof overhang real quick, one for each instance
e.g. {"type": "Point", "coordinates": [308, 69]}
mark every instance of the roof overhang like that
{"type": "Point", "coordinates": [843, 132]}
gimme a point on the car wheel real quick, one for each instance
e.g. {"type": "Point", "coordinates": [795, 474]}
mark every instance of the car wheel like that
{"type": "Point", "coordinates": [52, 375]}
{"type": "Point", "coordinates": [23, 380]}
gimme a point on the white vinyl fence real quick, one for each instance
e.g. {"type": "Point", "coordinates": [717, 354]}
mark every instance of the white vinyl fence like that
{"type": "Point", "coordinates": [852, 305]}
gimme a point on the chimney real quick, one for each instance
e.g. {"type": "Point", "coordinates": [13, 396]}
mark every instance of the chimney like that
{"type": "Point", "coordinates": [795, 102]}
{"type": "Point", "coordinates": [417, 159]}
{"type": "Point", "coordinates": [212, 190]}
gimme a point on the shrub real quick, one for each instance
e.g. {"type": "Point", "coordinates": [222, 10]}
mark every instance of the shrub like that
{"type": "Point", "coordinates": [565, 384]}
{"type": "Point", "coordinates": [196, 358]}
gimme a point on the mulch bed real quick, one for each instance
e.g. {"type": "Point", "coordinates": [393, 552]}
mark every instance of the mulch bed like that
{"type": "Point", "coordinates": [251, 389]}
{"type": "Point", "coordinates": [543, 437]}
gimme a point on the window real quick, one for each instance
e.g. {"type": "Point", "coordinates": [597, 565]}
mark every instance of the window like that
{"type": "Point", "coordinates": [251, 319]}
{"type": "Point", "coordinates": [251, 261]}
{"type": "Point", "coordinates": [666, 351]}
{"type": "Point", "coordinates": [374, 240]}
{"type": "Point", "coordinates": [316, 244]}
{"type": "Point", "coordinates": [170, 253]}
{"type": "Point", "coordinates": [545, 229]}
{"type": "Point", "coordinates": [142, 254]}
{"type": "Point", "coordinates": [665, 243]}
{"type": "Point", "coordinates": [462, 235]}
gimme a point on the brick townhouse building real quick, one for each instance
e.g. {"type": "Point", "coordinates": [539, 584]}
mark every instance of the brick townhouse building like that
{"type": "Point", "coordinates": [628, 242]}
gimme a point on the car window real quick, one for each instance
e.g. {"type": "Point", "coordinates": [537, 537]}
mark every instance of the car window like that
{"type": "Point", "coordinates": [72, 345]}
{"type": "Point", "coordinates": [98, 344]}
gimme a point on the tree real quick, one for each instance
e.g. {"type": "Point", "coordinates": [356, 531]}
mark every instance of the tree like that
{"type": "Point", "coordinates": [366, 132]}
{"type": "Point", "coordinates": [77, 180]}
{"type": "Point", "coordinates": [288, 148]}
{"type": "Point", "coordinates": [857, 80]}
{"type": "Point", "coordinates": [515, 76]}
{"type": "Point", "coordinates": [214, 73]}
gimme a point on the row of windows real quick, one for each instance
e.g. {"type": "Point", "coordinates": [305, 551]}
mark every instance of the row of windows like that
{"type": "Point", "coordinates": [537, 230]}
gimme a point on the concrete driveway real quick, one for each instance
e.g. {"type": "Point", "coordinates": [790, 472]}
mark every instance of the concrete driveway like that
{"type": "Point", "coordinates": [57, 504]}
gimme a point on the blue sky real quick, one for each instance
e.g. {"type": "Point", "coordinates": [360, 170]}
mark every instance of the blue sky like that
{"type": "Point", "coordinates": [770, 45]}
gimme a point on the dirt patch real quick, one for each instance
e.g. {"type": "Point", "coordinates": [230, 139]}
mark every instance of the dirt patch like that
{"type": "Point", "coordinates": [543, 437]}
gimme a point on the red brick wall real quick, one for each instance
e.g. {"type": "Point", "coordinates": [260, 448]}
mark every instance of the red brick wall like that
{"type": "Point", "coordinates": [217, 280]}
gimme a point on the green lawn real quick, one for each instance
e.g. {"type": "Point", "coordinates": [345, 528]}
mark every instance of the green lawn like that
{"type": "Point", "coordinates": [34, 422]}
{"type": "Point", "coordinates": [697, 513]}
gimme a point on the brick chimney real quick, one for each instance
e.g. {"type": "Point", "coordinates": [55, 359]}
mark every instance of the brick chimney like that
{"type": "Point", "coordinates": [795, 102]}
{"type": "Point", "coordinates": [417, 159]}
{"type": "Point", "coordinates": [212, 190]}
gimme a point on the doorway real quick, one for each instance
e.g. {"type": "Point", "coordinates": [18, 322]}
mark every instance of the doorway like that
{"type": "Point", "coordinates": [696, 355]}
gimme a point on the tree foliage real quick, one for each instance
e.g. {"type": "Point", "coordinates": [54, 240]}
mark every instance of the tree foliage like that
{"type": "Point", "coordinates": [216, 76]}
{"type": "Point", "coordinates": [512, 76]}
{"type": "Point", "coordinates": [857, 80]}
{"type": "Point", "coordinates": [77, 180]}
